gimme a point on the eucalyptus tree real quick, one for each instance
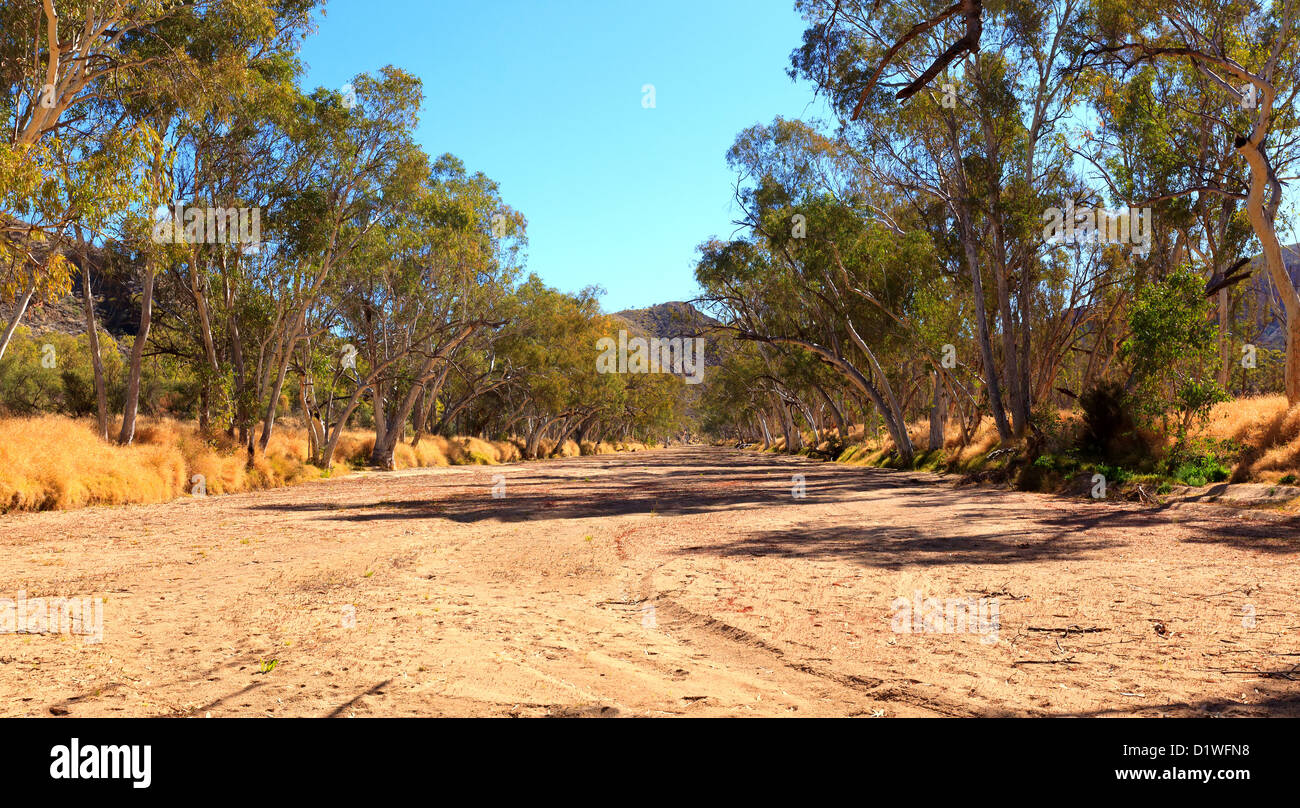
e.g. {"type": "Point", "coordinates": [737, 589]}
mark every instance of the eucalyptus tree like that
{"type": "Point", "coordinates": [353, 163]}
{"type": "Point", "coordinates": [762, 301]}
{"type": "Point", "coordinates": [75, 76]}
{"type": "Point", "coordinates": [97, 185]}
{"type": "Point", "coordinates": [734, 405]}
{"type": "Point", "coordinates": [1156, 143]}
{"type": "Point", "coordinates": [833, 265]}
{"type": "Point", "coordinates": [477, 372]}
{"type": "Point", "coordinates": [446, 262]}
{"type": "Point", "coordinates": [989, 94]}
{"type": "Point", "coordinates": [651, 407]}
{"type": "Point", "coordinates": [234, 152]}
{"type": "Point", "coordinates": [551, 340]}
{"type": "Point", "coordinates": [196, 62]}
{"type": "Point", "coordinates": [1244, 56]}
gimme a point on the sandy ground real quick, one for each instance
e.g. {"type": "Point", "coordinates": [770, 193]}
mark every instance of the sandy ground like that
{"type": "Point", "coordinates": [673, 582]}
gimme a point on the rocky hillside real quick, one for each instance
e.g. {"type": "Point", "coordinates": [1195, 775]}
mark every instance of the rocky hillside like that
{"type": "Point", "coordinates": [117, 307]}
{"type": "Point", "coordinates": [674, 319]}
{"type": "Point", "coordinates": [1262, 303]}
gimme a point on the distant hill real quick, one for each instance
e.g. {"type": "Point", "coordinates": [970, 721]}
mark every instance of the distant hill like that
{"type": "Point", "coordinates": [678, 319]}
{"type": "Point", "coordinates": [1266, 303]}
{"type": "Point", "coordinates": [674, 319]}
{"type": "Point", "coordinates": [116, 308]}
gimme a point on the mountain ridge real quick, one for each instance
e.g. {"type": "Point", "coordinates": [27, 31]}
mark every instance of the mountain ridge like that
{"type": "Point", "coordinates": [673, 319]}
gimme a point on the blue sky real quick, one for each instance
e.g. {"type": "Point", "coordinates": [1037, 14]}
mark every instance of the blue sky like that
{"type": "Point", "coordinates": [545, 97]}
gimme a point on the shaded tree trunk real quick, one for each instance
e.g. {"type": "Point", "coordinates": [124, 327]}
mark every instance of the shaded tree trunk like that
{"type": "Point", "coordinates": [92, 334]}
{"type": "Point", "coordinates": [533, 445]}
{"type": "Point", "coordinates": [127, 435]}
{"type": "Point", "coordinates": [897, 428]}
{"type": "Point", "coordinates": [938, 412]}
{"type": "Point", "coordinates": [840, 423]}
{"type": "Point", "coordinates": [966, 224]}
{"type": "Point", "coordinates": [1225, 340]}
{"type": "Point", "coordinates": [18, 315]}
{"type": "Point", "coordinates": [767, 434]}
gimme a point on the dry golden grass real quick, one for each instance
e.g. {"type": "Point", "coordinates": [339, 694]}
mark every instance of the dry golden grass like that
{"type": "Point", "coordinates": [589, 448]}
{"type": "Point", "coordinates": [1267, 430]}
{"type": "Point", "coordinates": [51, 462]}
{"type": "Point", "coordinates": [54, 463]}
{"type": "Point", "coordinates": [984, 440]}
{"type": "Point", "coordinates": [871, 445]}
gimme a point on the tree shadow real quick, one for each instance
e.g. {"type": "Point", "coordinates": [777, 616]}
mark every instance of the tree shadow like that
{"type": "Point", "coordinates": [894, 547]}
{"type": "Point", "coordinates": [1202, 524]}
{"type": "Point", "coordinates": [378, 688]}
{"type": "Point", "coordinates": [1278, 701]}
{"type": "Point", "coordinates": [684, 482]}
{"type": "Point", "coordinates": [656, 484]}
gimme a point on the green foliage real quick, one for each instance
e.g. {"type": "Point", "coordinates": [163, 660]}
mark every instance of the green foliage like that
{"type": "Point", "coordinates": [1201, 470]}
{"type": "Point", "coordinates": [1115, 475]}
{"type": "Point", "coordinates": [1204, 461]}
{"type": "Point", "coordinates": [1172, 349]}
{"type": "Point", "coordinates": [52, 372]}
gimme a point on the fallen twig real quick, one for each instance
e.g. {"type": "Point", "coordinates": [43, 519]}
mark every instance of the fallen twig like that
{"type": "Point", "coordinates": [1066, 661]}
{"type": "Point", "coordinates": [1067, 630]}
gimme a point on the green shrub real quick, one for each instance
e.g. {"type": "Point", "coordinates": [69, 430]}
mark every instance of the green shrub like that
{"type": "Point", "coordinates": [1109, 431]}
{"type": "Point", "coordinates": [1115, 475]}
{"type": "Point", "coordinates": [1172, 350]}
{"type": "Point", "coordinates": [52, 373]}
{"type": "Point", "coordinates": [1202, 470]}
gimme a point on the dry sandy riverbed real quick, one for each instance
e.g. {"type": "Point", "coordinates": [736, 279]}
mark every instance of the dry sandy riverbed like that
{"type": "Point", "coordinates": [674, 582]}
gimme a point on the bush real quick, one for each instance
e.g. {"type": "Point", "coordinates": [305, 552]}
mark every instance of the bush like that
{"type": "Point", "coordinates": [1041, 477]}
{"type": "Point", "coordinates": [51, 462]}
{"type": "Point", "coordinates": [1115, 475]}
{"type": "Point", "coordinates": [52, 373]}
{"type": "Point", "coordinates": [1109, 431]}
{"type": "Point", "coordinates": [1172, 351]}
{"type": "Point", "coordinates": [1201, 470]}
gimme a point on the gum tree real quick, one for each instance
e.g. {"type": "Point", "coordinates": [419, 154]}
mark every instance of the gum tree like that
{"type": "Point", "coordinates": [1247, 51]}
{"type": "Point", "coordinates": [976, 145]}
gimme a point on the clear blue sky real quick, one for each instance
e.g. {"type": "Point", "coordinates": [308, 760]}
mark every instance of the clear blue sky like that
{"type": "Point", "coordinates": [544, 96]}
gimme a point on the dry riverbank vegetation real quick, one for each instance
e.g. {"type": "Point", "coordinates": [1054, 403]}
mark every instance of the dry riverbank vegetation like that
{"type": "Point", "coordinates": [52, 462]}
{"type": "Point", "coordinates": [1251, 439]}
